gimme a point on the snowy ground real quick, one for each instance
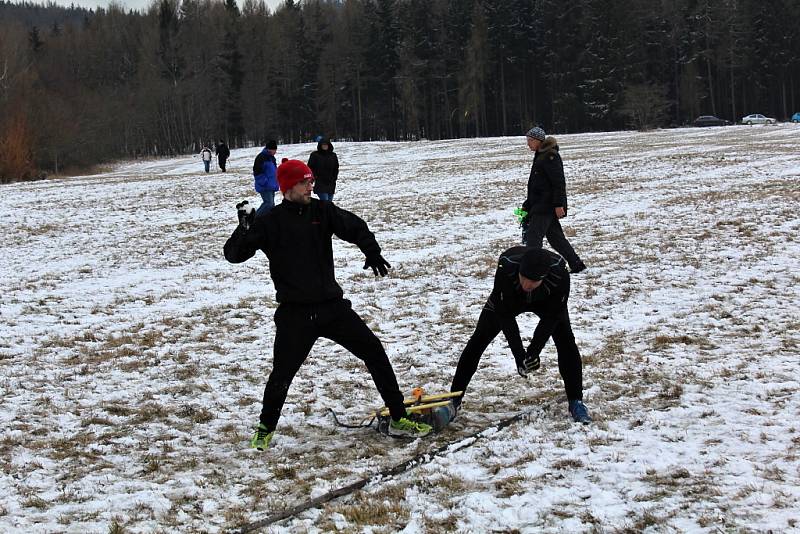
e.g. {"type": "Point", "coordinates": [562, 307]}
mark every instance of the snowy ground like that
{"type": "Point", "coordinates": [133, 357]}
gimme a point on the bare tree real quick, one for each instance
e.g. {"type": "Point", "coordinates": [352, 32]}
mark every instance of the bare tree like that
{"type": "Point", "coordinates": [645, 105]}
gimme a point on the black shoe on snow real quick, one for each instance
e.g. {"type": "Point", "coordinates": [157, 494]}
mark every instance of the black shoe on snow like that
{"type": "Point", "coordinates": [579, 413]}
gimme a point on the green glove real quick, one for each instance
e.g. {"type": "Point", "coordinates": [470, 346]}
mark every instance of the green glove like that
{"type": "Point", "coordinates": [521, 214]}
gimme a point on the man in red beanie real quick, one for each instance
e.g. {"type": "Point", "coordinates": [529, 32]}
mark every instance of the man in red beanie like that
{"type": "Point", "coordinates": [296, 237]}
{"type": "Point", "coordinates": [534, 280]}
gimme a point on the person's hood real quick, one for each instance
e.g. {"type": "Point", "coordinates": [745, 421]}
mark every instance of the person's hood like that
{"type": "Point", "coordinates": [325, 141]}
{"type": "Point", "coordinates": [549, 146]}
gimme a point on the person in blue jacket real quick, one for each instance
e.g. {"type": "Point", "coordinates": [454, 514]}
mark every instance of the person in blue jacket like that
{"type": "Point", "coordinates": [265, 172]}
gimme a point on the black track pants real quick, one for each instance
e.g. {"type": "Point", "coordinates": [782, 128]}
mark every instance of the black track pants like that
{"type": "Point", "coordinates": [569, 359]}
{"type": "Point", "coordinates": [543, 225]}
{"type": "Point", "coordinates": [298, 326]}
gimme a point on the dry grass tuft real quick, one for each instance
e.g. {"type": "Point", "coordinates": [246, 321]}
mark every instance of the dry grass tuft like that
{"type": "Point", "coordinates": [368, 512]}
{"type": "Point", "coordinates": [660, 342]}
{"type": "Point", "coordinates": [567, 463]}
{"type": "Point", "coordinates": [671, 391]}
{"type": "Point", "coordinates": [116, 527]}
{"type": "Point", "coordinates": [513, 485]}
{"type": "Point", "coordinates": [448, 523]}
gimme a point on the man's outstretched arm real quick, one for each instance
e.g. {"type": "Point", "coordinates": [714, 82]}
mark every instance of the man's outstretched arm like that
{"type": "Point", "coordinates": [246, 238]}
{"type": "Point", "coordinates": [353, 229]}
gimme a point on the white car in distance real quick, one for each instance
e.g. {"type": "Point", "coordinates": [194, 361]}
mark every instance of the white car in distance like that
{"type": "Point", "coordinates": [757, 118]}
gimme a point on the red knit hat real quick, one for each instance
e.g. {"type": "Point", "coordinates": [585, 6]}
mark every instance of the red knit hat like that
{"type": "Point", "coordinates": [292, 171]}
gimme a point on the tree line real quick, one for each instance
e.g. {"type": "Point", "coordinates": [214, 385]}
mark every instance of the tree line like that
{"type": "Point", "coordinates": [81, 87]}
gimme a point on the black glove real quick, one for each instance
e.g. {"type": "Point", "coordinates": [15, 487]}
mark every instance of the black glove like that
{"type": "Point", "coordinates": [246, 214]}
{"type": "Point", "coordinates": [378, 264]}
{"type": "Point", "coordinates": [528, 364]}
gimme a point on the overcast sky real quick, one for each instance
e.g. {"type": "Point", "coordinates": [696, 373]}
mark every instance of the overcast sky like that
{"type": "Point", "coordinates": [141, 5]}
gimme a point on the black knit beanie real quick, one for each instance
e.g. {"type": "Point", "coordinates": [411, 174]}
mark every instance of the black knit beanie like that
{"type": "Point", "coordinates": [535, 264]}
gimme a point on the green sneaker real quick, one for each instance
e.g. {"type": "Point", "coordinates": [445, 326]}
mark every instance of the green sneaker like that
{"type": "Point", "coordinates": [407, 428]}
{"type": "Point", "coordinates": [261, 438]}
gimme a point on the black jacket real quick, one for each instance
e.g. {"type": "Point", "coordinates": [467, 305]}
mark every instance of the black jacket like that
{"type": "Point", "coordinates": [325, 166]}
{"type": "Point", "coordinates": [547, 187]}
{"type": "Point", "coordinates": [222, 151]}
{"type": "Point", "coordinates": [548, 301]}
{"type": "Point", "coordinates": [296, 239]}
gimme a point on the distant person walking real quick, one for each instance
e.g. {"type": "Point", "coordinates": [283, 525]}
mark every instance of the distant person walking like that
{"type": "Point", "coordinates": [547, 199]}
{"type": "Point", "coordinates": [205, 154]}
{"type": "Point", "coordinates": [265, 172]}
{"type": "Point", "coordinates": [528, 280]}
{"type": "Point", "coordinates": [324, 164]}
{"type": "Point", "coordinates": [223, 153]}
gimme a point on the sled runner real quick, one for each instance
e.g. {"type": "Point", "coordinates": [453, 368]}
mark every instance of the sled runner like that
{"type": "Point", "coordinates": [436, 410]}
{"type": "Point", "coordinates": [418, 397]}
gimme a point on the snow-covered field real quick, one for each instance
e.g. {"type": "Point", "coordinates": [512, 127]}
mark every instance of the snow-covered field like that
{"type": "Point", "coordinates": [133, 357]}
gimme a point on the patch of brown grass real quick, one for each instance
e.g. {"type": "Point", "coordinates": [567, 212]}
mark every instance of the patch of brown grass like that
{"type": "Point", "coordinates": [513, 485]}
{"type": "Point", "coordinates": [374, 510]}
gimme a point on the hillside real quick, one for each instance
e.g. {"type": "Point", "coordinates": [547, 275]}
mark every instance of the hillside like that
{"type": "Point", "coordinates": [133, 357]}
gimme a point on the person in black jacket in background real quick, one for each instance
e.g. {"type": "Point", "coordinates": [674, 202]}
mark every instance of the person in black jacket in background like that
{"type": "Point", "coordinates": [223, 153]}
{"type": "Point", "coordinates": [547, 199]}
{"type": "Point", "coordinates": [324, 164]}
{"type": "Point", "coordinates": [296, 237]}
{"type": "Point", "coordinates": [528, 280]}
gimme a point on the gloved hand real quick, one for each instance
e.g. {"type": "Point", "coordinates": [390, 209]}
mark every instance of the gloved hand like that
{"type": "Point", "coordinates": [522, 216]}
{"type": "Point", "coordinates": [246, 214]}
{"type": "Point", "coordinates": [528, 364]}
{"type": "Point", "coordinates": [378, 264]}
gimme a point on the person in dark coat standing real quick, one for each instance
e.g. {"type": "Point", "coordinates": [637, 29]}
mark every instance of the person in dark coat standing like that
{"type": "Point", "coordinates": [528, 280]}
{"type": "Point", "coordinates": [547, 199]}
{"type": "Point", "coordinates": [265, 174]}
{"type": "Point", "coordinates": [223, 153]}
{"type": "Point", "coordinates": [296, 236]}
{"type": "Point", "coordinates": [324, 164]}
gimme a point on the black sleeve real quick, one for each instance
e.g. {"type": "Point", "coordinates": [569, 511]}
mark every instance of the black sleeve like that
{"type": "Point", "coordinates": [243, 244]}
{"type": "Point", "coordinates": [312, 163]}
{"type": "Point", "coordinates": [258, 164]}
{"type": "Point", "coordinates": [506, 316]}
{"type": "Point", "coordinates": [351, 228]}
{"type": "Point", "coordinates": [554, 168]}
{"type": "Point", "coordinates": [335, 166]}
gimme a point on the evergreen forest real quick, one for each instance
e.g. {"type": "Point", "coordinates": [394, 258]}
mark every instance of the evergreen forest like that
{"type": "Point", "coordinates": [81, 87]}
